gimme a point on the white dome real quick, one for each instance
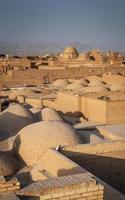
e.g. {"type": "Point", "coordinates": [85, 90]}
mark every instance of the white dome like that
{"type": "Point", "coordinates": [117, 87]}
{"type": "Point", "coordinates": [19, 110]}
{"type": "Point", "coordinates": [35, 139]}
{"type": "Point", "coordinates": [96, 83]}
{"type": "Point", "coordinates": [75, 86]}
{"type": "Point", "coordinates": [83, 81]}
{"type": "Point", "coordinates": [49, 114]}
{"type": "Point", "coordinates": [95, 89]}
{"type": "Point", "coordinates": [60, 84]}
{"type": "Point", "coordinates": [12, 120]}
{"type": "Point", "coordinates": [92, 78]}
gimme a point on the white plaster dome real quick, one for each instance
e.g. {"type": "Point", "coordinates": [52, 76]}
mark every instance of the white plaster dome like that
{"type": "Point", "coordinates": [60, 84]}
{"type": "Point", "coordinates": [20, 110]}
{"type": "Point", "coordinates": [99, 88]}
{"type": "Point", "coordinates": [50, 114]}
{"type": "Point", "coordinates": [96, 83]}
{"type": "Point", "coordinates": [83, 81]}
{"type": "Point", "coordinates": [12, 120]}
{"type": "Point", "coordinates": [117, 87]}
{"type": "Point", "coordinates": [75, 86]}
{"type": "Point", "coordinates": [34, 140]}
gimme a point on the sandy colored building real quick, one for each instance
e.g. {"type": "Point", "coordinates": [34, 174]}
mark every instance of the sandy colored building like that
{"type": "Point", "coordinates": [63, 139]}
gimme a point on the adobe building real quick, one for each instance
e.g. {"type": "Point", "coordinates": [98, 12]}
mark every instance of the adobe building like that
{"type": "Point", "coordinates": [44, 156]}
{"type": "Point", "coordinates": [69, 53]}
{"type": "Point", "coordinates": [65, 140]}
{"type": "Point", "coordinates": [98, 57]}
{"type": "Point", "coordinates": [114, 58]}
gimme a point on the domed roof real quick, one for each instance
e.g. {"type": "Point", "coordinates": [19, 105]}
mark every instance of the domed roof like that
{"type": "Point", "coordinates": [117, 87]}
{"type": "Point", "coordinates": [92, 78]}
{"type": "Point", "coordinates": [19, 110]}
{"type": "Point", "coordinates": [70, 50]}
{"type": "Point", "coordinates": [60, 84]}
{"type": "Point", "coordinates": [22, 92]}
{"type": "Point", "coordinates": [99, 88]}
{"type": "Point", "coordinates": [8, 164]}
{"type": "Point", "coordinates": [96, 83]}
{"type": "Point", "coordinates": [83, 81]}
{"type": "Point", "coordinates": [49, 114]}
{"type": "Point", "coordinates": [12, 120]}
{"type": "Point", "coordinates": [35, 139]}
{"type": "Point", "coordinates": [74, 86]}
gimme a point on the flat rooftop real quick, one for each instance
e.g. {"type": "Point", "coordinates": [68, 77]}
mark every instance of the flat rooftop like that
{"type": "Point", "coordinates": [114, 132]}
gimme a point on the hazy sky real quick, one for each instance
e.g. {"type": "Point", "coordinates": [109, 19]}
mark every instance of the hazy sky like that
{"type": "Point", "coordinates": [98, 21]}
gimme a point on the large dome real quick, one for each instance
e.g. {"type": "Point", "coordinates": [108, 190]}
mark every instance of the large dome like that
{"type": "Point", "coordinates": [34, 140]}
{"type": "Point", "coordinates": [8, 164]}
{"type": "Point", "coordinates": [12, 120]}
{"type": "Point", "coordinates": [70, 52]}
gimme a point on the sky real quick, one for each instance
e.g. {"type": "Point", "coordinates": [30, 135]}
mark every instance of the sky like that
{"type": "Point", "coordinates": [87, 21]}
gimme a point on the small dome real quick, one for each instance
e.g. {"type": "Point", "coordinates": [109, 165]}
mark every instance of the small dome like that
{"type": "Point", "coordinates": [19, 110]}
{"type": "Point", "coordinates": [95, 89]}
{"type": "Point", "coordinates": [22, 92]}
{"type": "Point", "coordinates": [49, 114]}
{"type": "Point", "coordinates": [83, 81]}
{"type": "Point", "coordinates": [12, 120]}
{"type": "Point", "coordinates": [60, 84]}
{"type": "Point", "coordinates": [35, 139]}
{"type": "Point", "coordinates": [96, 83]}
{"type": "Point", "coordinates": [8, 164]}
{"type": "Point", "coordinates": [75, 86]}
{"type": "Point", "coordinates": [92, 78]}
{"type": "Point", "coordinates": [117, 87]}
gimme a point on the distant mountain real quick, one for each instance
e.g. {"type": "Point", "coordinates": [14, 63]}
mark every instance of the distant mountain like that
{"type": "Point", "coordinates": [38, 48]}
{"type": "Point", "coordinates": [41, 48]}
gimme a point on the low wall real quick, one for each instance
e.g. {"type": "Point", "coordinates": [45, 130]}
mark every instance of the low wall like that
{"type": "Point", "coordinates": [108, 112]}
{"type": "Point", "coordinates": [105, 160]}
{"type": "Point", "coordinates": [66, 103]}
{"type": "Point", "coordinates": [34, 76]}
{"type": "Point", "coordinates": [75, 187]}
{"type": "Point", "coordinates": [80, 186]}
